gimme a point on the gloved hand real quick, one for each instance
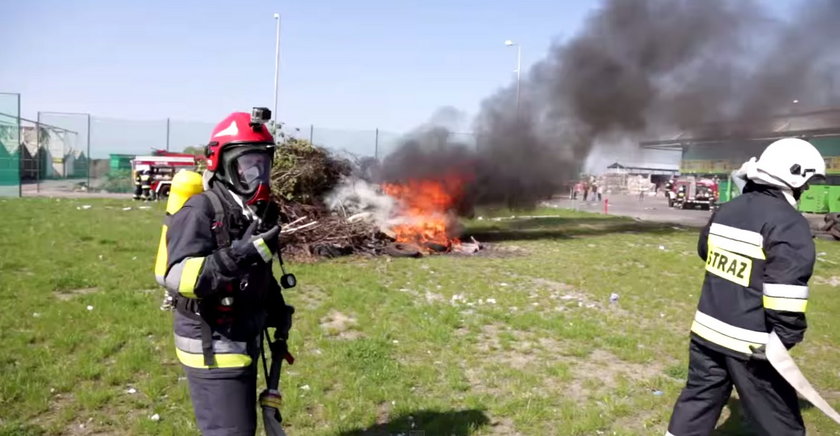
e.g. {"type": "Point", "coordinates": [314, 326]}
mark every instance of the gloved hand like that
{"type": "Point", "coordinates": [251, 248]}
{"type": "Point", "coordinates": [758, 352]}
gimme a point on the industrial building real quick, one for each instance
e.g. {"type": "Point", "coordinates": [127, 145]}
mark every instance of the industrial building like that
{"type": "Point", "coordinates": [717, 149]}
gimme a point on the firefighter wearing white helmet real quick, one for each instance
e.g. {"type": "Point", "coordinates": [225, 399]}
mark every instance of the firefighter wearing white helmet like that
{"type": "Point", "coordinates": [759, 255]}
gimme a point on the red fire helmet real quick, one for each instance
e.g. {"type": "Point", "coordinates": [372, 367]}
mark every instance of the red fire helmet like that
{"type": "Point", "coordinates": [240, 153]}
{"type": "Point", "coordinates": [237, 128]}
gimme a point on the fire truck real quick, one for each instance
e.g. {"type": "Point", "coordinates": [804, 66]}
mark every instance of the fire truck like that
{"type": "Point", "coordinates": [163, 165]}
{"type": "Point", "coordinates": [691, 192]}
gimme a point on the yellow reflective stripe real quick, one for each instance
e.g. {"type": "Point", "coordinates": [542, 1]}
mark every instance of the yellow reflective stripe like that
{"type": "Point", "coordinates": [189, 276]}
{"type": "Point", "coordinates": [785, 304]}
{"type": "Point", "coordinates": [262, 248]}
{"type": "Point", "coordinates": [735, 246]}
{"type": "Point", "coordinates": [222, 360]}
{"type": "Point", "coordinates": [721, 339]}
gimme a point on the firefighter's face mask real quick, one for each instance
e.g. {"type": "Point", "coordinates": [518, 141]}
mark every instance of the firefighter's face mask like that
{"type": "Point", "coordinates": [253, 174]}
{"type": "Point", "coordinates": [248, 172]}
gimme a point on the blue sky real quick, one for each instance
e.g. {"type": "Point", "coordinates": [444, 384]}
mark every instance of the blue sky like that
{"type": "Point", "coordinates": [359, 64]}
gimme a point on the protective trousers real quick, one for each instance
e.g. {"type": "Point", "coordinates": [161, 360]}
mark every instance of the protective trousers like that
{"type": "Point", "coordinates": [224, 400]}
{"type": "Point", "coordinates": [769, 400]}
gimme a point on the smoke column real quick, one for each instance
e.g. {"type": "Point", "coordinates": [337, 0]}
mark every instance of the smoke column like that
{"type": "Point", "coordinates": [637, 70]}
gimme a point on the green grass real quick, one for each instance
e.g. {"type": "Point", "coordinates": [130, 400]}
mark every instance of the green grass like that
{"type": "Point", "coordinates": [383, 345]}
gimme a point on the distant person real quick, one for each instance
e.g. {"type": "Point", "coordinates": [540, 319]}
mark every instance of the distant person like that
{"type": "Point", "coordinates": [138, 185]}
{"type": "Point", "coordinates": [146, 184]}
{"type": "Point", "coordinates": [585, 192]}
{"type": "Point", "coordinates": [759, 256]}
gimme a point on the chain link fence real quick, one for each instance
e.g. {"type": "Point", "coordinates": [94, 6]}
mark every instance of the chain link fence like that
{"type": "Point", "coordinates": [79, 152]}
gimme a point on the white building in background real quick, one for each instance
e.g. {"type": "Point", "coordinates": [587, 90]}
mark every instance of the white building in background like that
{"type": "Point", "coordinates": [632, 178]}
{"type": "Point", "coordinates": [56, 157]}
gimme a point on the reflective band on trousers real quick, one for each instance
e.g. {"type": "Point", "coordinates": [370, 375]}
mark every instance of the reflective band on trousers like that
{"type": "Point", "coordinates": [227, 353]}
{"type": "Point", "coordinates": [183, 276]}
{"type": "Point", "coordinates": [727, 335]}
{"type": "Point", "coordinates": [788, 298]}
{"type": "Point", "coordinates": [262, 248]}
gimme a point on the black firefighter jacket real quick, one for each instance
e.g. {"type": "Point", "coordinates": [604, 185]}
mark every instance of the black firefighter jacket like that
{"type": "Point", "coordinates": [759, 254]}
{"type": "Point", "coordinates": [235, 300]}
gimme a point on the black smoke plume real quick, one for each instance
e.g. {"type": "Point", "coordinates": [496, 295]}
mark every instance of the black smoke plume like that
{"type": "Point", "coordinates": [638, 69]}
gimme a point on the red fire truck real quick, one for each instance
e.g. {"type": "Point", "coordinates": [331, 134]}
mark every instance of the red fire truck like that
{"type": "Point", "coordinates": [691, 192]}
{"type": "Point", "coordinates": [163, 166]}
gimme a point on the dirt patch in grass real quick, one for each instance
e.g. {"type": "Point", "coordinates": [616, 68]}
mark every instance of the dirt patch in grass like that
{"type": "Point", "coordinates": [310, 297]}
{"type": "Point", "coordinates": [340, 325]}
{"type": "Point", "coordinates": [427, 296]}
{"type": "Point", "coordinates": [383, 412]}
{"type": "Point", "coordinates": [603, 370]}
{"type": "Point", "coordinates": [501, 426]}
{"type": "Point", "coordinates": [73, 293]}
{"type": "Point", "coordinates": [831, 281]}
{"type": "Point", "coordinates": [642, 422]}
{"type": "Point", "coordinates": [498, 251]}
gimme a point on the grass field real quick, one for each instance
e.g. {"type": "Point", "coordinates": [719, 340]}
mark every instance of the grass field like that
{"type": "Point", "coordinates": [520, 339]}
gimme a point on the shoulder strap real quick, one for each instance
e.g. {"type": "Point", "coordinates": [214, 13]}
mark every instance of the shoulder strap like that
{"type": "Point", "coordinates": [220, 224]}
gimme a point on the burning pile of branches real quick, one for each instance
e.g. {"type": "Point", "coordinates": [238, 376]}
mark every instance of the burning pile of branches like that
{"type": "Point", "coordinates": [328, 207]}
{"type": "Point", "coordinates": [302, 177]}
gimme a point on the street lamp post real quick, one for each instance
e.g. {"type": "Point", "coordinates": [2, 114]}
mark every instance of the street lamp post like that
{"type": "Point", "coordinates": [510, 43]}
{"type": "Point", "coordinates": [276, 66]}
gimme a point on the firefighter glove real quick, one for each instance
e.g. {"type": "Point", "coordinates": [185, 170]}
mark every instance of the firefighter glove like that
{"type": "Point", "coordinates": [251, 248]}
{"type": "Point", "coordinates": [758, 353]}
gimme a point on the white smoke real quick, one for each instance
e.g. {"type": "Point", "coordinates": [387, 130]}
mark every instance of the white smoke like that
{"type": "Point", "coordinates": [355, 197]}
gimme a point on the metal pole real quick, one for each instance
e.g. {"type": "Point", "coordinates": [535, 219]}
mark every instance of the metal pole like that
{"type": "Point", "coordinates": [167, 134]}
{"type": "Point", "coordinates": [518, 72]}
{"type": "Point", "coordinates": [20, 149]}
{"type": "Point", "coordinates": [276, 65]}
{"type": "Point", "coordinates": [376, 146]}
{"type": "Point", "coordinates": [89, 158]}
{"type": "Point", "coordinates": [38, 153]}
{"type": "Point", "coordinates": [311, 134]}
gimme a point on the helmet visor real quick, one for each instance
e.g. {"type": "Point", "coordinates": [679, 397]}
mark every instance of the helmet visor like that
{"type": "Point", "coordinates": [252, 169]}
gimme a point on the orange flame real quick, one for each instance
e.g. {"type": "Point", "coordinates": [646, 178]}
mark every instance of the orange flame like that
{"type": "Point", "coordinates": [426, 215]}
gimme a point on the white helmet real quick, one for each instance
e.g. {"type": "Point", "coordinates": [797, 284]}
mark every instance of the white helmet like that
{"type": "Point", "coordinates": [788, 163]}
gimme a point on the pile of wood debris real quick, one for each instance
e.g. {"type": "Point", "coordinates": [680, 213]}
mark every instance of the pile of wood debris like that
{"type": "Point", "coordinates": [302, 178]}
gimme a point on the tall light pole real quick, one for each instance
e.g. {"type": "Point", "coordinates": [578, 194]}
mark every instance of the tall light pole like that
{"type": "Point", "coordinates": [276, 66]}
{"type": "Point", "coordinates": [510, 43]}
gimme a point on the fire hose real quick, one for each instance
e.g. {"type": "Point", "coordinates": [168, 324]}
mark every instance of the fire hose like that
{"type": "Point", "coordinates": [778, 356]}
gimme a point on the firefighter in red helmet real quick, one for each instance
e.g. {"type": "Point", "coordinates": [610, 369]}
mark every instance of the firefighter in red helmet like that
{"type": "Point", "coordinates": [220, 246]}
